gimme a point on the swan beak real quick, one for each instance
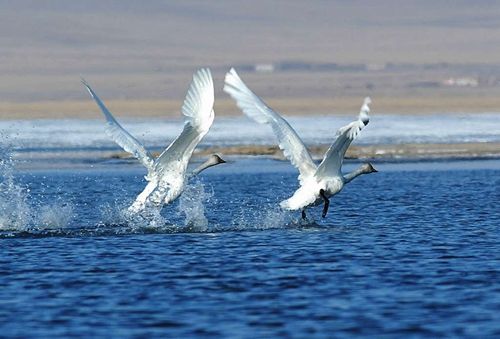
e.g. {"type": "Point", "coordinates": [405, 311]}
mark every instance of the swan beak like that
{"type": "Point", "coordinates": [371, 169]}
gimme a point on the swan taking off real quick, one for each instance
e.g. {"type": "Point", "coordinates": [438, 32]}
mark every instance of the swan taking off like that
{"type": "Point", "coordinates": [167, 174]}
{"type": "Point", "coordinates": [317, 183]}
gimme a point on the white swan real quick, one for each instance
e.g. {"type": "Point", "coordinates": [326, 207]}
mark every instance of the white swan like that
{"type": "Point", "coordinates": [317, 183]}
{"type": "Point", "coordinates": [167, 174]}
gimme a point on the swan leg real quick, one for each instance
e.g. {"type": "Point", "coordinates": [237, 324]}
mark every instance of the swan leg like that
{"type": "Point", "coordinates": [327, 202]}
{"type": "Point", "coordinates": [304, 214]}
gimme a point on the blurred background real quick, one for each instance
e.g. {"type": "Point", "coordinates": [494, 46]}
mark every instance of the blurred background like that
{"type": "Point", "coordinates": [304, 57]}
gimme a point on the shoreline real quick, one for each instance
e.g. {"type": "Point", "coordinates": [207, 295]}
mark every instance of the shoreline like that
{"type": "Point", "coordinates": [382, 152]}
{"type": "Point", "coordinates": [74, 158]}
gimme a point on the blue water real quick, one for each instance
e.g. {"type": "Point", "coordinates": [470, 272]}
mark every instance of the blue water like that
{"type": "Point", "coordinates": [412, 250]}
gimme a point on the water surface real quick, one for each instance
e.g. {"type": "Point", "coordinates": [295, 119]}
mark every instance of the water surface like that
{"type": "Point", "coordinates": [410, 251]}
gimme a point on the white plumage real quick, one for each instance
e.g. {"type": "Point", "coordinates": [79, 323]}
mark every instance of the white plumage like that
{"type": "Point", "coordinates": [167, 174]}
{"type": "Point", "coordinates": [288, 140]}
{"type": "Point", "coordinates": [317, 183]}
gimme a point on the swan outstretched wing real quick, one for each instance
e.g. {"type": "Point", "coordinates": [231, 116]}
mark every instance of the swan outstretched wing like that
{"type": "Point", "coordinates": [199, 116]}
{"type": "Point", "coordinates": [253, 106]}
{"type": "Point", "coordinates": [119, 135]}
{"type": "Point", "coordinates": [334, 157]}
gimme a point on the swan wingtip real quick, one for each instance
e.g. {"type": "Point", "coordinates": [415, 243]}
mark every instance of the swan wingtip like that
{"type": "Point", "coordinates": [83, 81]}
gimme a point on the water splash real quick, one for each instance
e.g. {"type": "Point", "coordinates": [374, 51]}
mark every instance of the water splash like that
{"type": "Point", "coordinates": [192, 206]}
{"type": "Point", "coordinates": [16, 210]}
{"type": "Point", "coordinates": [113, 213]}
{"type": "Point", "coordinates": [55, 216]}
{"type": "Point", "coordinates": [274, 217]}
{"type": "Point", "coordinates": [263, 217]}
{"type": "Point", "coordinates": [15, 213]}
{"type": "Point", "coordinates": [148, 218]}
{"type": "Point", "coordinates": [118, 216]}
{"type": "Point", "coordinates": [25, 213]}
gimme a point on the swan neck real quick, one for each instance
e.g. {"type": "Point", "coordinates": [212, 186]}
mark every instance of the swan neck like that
{"type": "Point", "coordinates": [356, 173]}
{"type": "Point", "coordinates": [202, 167]}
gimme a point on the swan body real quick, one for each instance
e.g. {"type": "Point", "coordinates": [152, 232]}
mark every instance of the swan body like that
{"type": "Point", "coordinates": [317, 183]}
{"type": "Point", "coordinates": [167, 174]}
{"type": "Point", "coordinates": [308, 193]}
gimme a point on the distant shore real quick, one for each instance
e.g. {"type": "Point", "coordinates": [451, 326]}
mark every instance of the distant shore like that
{"type": "Point", "coordinates": [86, 109]}
{"type": "Point", "coordinates": [396, 152]}
{"type": "Point", "coordinates": [109, 159]}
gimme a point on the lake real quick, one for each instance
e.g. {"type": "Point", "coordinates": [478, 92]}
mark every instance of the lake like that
{"type": "Point", "coordinates": [412, 250]}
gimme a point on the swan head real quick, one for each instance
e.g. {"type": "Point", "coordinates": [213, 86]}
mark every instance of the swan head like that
{"type": "Point", "coordinates": [215, 159]}
{"type": "Point", "coordinates": [212, 160]}
{"type": "Point", "coordinates": [363, 169]}
{"type": "Point", "coordinates": [368, 168]}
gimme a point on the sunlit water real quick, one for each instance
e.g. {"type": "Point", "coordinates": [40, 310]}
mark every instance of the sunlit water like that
{"type": "Point", "coordinates": [412, 250]}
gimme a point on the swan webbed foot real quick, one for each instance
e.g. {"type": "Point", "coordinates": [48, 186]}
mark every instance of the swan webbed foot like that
{"type": "Point", "coordinates": [304, 214]}
{"type": "Point", "coordinates": [327, 202]}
